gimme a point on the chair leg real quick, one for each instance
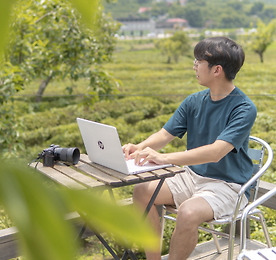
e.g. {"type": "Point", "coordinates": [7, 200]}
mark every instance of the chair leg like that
{"type": "Point", "coordinates": [216, 240]}
{"type": "Point", "coordinates": [231, 241]}
{"type": "Point", "coordinates": [161, 212]}
{"type": "Point", "coordinates": [265, 230]}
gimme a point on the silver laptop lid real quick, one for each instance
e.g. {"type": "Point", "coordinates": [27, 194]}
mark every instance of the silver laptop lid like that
{"type": "Point", "coordinates": [102, 144]}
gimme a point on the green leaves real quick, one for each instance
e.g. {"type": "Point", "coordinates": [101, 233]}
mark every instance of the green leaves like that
{"type": "Point", "coordinates": [88, 9]}
{"type": "Point", "coordinates": [39, 213]}
{"type": "Point", "coordinates": [175, 46]}
{"type": "Point", "coordinates": [262, 38]}
{"type": "Point", "coordinates": [53, 40]}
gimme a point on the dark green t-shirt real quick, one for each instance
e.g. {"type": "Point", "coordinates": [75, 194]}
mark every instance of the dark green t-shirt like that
{"type": "Point", "coordinates": [205, 121]}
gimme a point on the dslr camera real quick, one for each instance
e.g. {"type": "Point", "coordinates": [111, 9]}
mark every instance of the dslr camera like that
{"type": "Point", "coordinates": [56, 153]}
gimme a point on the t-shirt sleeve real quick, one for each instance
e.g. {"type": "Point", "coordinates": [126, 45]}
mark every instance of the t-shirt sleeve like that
{"type": "Point", "coordinates": [177, 124]}
{"type": "Point", "coordinates": [238, 128]}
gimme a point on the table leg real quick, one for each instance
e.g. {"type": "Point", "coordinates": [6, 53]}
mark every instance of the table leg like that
{"type": "Point", "coordinates": [128, 252]}
{"type": "Point", "coordinates": [83, 228]}
{"type": "Point", "coordinates": [153, 197]}
{"type": "Point", "coordinates": [105, 244]}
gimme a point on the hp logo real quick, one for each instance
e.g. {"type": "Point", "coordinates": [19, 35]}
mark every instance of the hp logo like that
{"type": "Point", "coordinates": [101, 145]}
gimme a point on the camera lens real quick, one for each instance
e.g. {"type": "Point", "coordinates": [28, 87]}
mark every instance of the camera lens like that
{"type": "Point", "coordinates": [71, 155]}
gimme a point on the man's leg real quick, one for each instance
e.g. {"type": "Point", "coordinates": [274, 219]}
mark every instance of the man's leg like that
{"type": "Point", "coordinates": [191, 214]}
{"type": "Point", "coordinates": [141, 196]}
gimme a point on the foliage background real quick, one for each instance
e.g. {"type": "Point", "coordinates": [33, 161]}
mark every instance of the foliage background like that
{"type": "Point", "coordinates": [200, 13]}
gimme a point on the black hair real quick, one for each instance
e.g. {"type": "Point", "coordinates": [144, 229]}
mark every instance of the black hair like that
{"type": "Point", "coordinates": [221, 51]}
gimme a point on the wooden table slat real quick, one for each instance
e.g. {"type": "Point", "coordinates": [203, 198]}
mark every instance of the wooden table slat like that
{"type": "Point", "coordinates": [99, 175]}
{"type": "Point", "coordinates": [175, 169]}
{"type": "Point", "coordinates": [58, 177]}
{"type": "Point", "coordinates": [132, 178]}
{"type": "Point", "coordinates": [79, 177]}
{"type": "Point", "coordinates": [160, 173]}
{"type": "Point", "coordinates": [146, 176]}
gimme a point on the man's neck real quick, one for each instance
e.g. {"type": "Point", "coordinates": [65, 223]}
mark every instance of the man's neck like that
{"type": "Point", "coordinates": [221, 90]}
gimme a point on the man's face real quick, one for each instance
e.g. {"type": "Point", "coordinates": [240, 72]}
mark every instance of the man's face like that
{"type": "Point", "coordinates": [203, 72]}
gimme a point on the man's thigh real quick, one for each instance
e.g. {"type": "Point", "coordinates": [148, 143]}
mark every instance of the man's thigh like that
{"type": "Point", "coordinates": [164, 196]}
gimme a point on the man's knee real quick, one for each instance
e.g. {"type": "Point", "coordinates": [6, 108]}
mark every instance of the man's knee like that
{"type": "Point", "coordinates": [186, 214]}
{"type": "Point", "coordinates": [142, 191]}
{"type": "Point", "coordinates": [194, 212]}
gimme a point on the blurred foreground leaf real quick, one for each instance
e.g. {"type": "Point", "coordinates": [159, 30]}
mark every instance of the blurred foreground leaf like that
{"type": "Point", "coordinates": [38, 212]}
{"type": "Point", "coordinates": [5, 13]}
{"type": "Point", "coordinates": [126, 224]}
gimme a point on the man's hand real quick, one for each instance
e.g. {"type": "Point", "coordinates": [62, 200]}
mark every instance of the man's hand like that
{"type": "Point", "coordinates": [129, 149]}
{"type": "Point", "coordinates": [148, 155]}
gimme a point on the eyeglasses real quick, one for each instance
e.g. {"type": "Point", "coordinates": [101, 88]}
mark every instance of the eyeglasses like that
{"type": "Point", "coordinates": [196, 62]}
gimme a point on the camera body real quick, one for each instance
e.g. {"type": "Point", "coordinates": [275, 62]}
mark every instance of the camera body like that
{"type": "Point", "coordinates": [56, 153]}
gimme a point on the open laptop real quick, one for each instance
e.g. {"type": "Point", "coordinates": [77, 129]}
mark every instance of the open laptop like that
{"type": "Point", "coordinates": [103, 147]}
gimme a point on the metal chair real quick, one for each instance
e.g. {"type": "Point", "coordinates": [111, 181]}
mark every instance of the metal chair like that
{"type": "Point", "coordinates": [246, 212]}
{"type": "Point", "coordinates": [261, 155]}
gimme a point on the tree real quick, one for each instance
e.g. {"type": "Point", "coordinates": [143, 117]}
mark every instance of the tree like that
{"type": "Point", "coordinates": [233, 20]}
{"type": "Point", "coordinates": [194, 15]}
{"type": "Point", "coordinates": [262, 38]}
{"type": "Point", "coordinates": [256, 8]}
{"type": "Point", "coordinates": [49, 42]}
{"type": "Point", "coordinates": [175, 46]}
{"type": "Point", "coordinates": [268, 14]}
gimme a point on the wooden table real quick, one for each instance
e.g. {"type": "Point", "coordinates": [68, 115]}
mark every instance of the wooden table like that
{"type": "Point", "coordinates": [88, 175]}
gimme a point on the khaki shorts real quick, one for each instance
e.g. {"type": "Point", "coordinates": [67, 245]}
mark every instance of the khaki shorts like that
{"type": "Point", "coordinates": [220, 195]}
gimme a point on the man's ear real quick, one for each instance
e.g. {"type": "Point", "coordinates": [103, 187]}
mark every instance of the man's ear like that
{"type": "Point", "coordinates": [218, 70]}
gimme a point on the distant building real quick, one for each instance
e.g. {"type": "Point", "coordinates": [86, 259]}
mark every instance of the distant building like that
{"type": "Point", "coordinates": [172, 23]}
{"type": "Point", "coordinates": [144, 9]}
{"type": "Point", "coordinates": [136, 26]}
{"type": "Point", "coordinates": [182, 2]}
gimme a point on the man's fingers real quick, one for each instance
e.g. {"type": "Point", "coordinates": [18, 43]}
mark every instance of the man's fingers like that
{"type": "Point", "coordinates": [127, 149]}
{"type": "Point", "coordinates": [141, 157]}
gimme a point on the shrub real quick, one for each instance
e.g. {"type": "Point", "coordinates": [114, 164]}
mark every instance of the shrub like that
{"type": "Point", "coordinates": [134, 117]}
{"type": "Point", "coordinates": [152, 125]}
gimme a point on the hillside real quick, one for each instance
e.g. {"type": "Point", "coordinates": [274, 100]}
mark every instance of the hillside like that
{"type": "Point", "coordinates": [199, 13]}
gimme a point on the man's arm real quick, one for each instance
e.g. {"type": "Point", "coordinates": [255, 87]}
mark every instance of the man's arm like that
{"type": "Point", "coordinates": [205, 154]}
{"type": "Point", "coordinates": [156, 141]}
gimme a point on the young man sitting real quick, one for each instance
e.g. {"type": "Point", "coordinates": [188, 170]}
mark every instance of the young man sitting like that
{"type": "Point", "coordinates": [217, 121]}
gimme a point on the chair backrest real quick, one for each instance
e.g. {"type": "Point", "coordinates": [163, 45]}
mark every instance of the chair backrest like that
{"type": "Point", "coordinates": [258, 150]}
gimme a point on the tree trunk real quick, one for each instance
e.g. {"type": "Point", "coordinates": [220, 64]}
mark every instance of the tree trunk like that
{"type": "Point", "coordinates": [261, 57]}
{"type": "Point", "coordinates": [42, 88]}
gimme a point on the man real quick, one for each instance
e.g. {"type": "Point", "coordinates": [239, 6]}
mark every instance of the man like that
{"type": "Point", "coordinates": [217, 121]}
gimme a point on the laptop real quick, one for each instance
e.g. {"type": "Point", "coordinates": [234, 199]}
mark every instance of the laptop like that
{"type": "Point", "coordinates": [103, 147]}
